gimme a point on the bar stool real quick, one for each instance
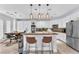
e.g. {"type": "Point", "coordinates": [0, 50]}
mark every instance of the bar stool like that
{"type": "Point", "coordinates": [30, 41]}
{"type": "Point", "coordinates": [47, 40]}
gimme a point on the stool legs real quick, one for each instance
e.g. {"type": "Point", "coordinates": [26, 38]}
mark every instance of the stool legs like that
{"type": "Point", "coordinates": [36, 48]}
{"type": "Point", "coordinates": [29, 48]}
{"type": "Point", "coordinates": [42, 49]}
{"type": "Point", "coordinates": [51, 47]}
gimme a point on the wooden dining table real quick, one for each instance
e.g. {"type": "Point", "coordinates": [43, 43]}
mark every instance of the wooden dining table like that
{"type": "Point", "coordinates": [13, 35]}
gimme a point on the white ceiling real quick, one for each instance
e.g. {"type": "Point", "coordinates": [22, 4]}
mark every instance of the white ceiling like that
{"type": "Point", "coordinates": [24, 10]}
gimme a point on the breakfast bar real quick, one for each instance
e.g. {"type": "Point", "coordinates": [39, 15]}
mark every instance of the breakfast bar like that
{"type": "Point", "coordinates": [38, 36]}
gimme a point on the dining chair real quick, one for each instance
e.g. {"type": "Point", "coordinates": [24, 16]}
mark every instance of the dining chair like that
{"type": "Point", "coordinates": [11, 37]}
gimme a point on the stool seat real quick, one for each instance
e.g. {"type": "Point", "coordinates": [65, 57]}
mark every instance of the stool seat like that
{"type": "Point", "coordinates": [47, 39]}
{"type": "Point", "coordinates": [31, 40]}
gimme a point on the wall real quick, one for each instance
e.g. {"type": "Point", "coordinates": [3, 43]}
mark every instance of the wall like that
{"type": "Point", "coordinates": [5, 24]}
{"type": "Point", "coordinates": [1, 28]}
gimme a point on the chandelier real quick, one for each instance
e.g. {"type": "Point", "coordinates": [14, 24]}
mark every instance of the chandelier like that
{"type": "Point", "coordinates": [39, 15]}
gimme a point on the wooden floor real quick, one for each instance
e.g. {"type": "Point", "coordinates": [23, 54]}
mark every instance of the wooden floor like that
{"type": "Point", "coordinates": [7, 48]}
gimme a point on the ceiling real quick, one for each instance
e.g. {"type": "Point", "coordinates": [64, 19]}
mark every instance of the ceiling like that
{"type": "Point", "coordinates": [22, 11]}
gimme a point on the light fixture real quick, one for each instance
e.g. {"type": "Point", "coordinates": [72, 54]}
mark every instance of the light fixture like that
{"type": "Point", "coordinates": [31, 15]}
{"type": "Point", "coordinates": [47, 14]}
{"type": "Point", "coordinates": [39, 15]}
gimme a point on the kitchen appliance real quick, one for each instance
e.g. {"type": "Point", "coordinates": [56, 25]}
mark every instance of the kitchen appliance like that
{"type": "Point", "coordinates": [33, 27]}
{"type": "Point", "coordinates": [72, 35]}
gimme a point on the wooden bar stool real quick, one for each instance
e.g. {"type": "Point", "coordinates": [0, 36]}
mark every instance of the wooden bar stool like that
{"type": "Point", "coordinates": [47, 40]}
{"type": "Point", "coordinates": [30, 41]}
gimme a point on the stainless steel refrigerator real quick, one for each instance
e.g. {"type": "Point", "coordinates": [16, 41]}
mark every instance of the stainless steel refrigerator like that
{"type": "Point", "coordinates": [72, 34]}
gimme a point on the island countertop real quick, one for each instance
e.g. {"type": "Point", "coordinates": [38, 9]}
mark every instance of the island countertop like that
{"type": "Point", "coordinates": [41, 33]}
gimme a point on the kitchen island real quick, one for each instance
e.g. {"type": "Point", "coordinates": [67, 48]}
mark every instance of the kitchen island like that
{"type": "Point", "coordinates": [39, 36]}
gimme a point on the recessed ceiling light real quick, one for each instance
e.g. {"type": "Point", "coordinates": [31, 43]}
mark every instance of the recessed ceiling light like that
{"type": "Point", "coordinates": [39, 4]}
{"type": "Point", "coordinates": [47, 4]}
{"type": "Point", "coordinates": [31, 5]}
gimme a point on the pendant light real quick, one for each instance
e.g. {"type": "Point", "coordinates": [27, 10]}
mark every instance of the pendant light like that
{"type": "Point", "coordinates": [39, 16]}
{"type": "Point", "coordinates": [31, 15]}
{"type": "Point", "coordinates": [47, 14]}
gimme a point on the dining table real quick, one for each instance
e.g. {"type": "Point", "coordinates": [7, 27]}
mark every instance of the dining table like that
{"type": "Point", "coordinates": [13, 35]}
